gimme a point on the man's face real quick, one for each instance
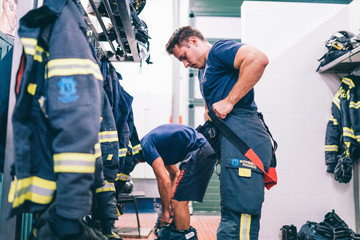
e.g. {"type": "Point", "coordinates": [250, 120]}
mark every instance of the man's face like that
{"type": "Point", "coordinates": [190, 54]}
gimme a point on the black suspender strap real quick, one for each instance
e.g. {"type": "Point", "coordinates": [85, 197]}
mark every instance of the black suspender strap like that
{"type": "Point", "coordinates": [270, 177]}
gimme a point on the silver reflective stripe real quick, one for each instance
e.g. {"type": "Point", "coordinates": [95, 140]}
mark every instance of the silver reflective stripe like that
{"type": "Point", "coordinates": [74, 163]}
{"type": "Point", "coordinates": [245, 222]}
{"type": "Point", "coordinates": [122, 152]}
{"type": "Point", "coordinates": [108, 187]}
{"type": "Point", "coordinates": [73, 66]}
{"type": "Point", "coordinates": [41, 191]}
{"type": "Point", "coordinates": [122, 177]}
{"type": "Point", "coordinates": [108, 136]}
{"type": "Point", "coordinates": [137, 147]}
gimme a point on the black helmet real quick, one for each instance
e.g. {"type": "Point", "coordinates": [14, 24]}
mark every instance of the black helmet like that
{"type": "Point", "coordinates": [340, 41]}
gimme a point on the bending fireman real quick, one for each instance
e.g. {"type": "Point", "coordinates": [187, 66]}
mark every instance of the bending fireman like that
{"type": "Point", "coordinates": [183, 162]}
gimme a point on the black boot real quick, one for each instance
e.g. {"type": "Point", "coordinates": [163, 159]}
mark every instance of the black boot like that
{"type": "Point", "coordinates": [171, 233]}
{"type": "Point", "coordinates": [333, 219]}
{"type": "Point", "coordinates": [288, 232]}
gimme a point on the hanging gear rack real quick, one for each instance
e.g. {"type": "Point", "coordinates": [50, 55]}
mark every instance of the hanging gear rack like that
{"type": "Point", "coordinates": [119, 52]}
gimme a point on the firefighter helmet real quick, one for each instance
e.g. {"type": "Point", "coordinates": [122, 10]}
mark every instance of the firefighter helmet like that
{"type": "Point", "coordinates": [340, 41]}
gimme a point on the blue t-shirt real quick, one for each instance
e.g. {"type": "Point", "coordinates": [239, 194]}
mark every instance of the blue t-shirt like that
{"type": "Point", "coordinates": [219, 75]}
{"type": "Point", "coordinates": [172, 142]}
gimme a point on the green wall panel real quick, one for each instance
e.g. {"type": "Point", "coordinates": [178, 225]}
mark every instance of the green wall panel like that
{"type": "Point", "coordinates": [304, 1]}
{"type": "Point", "coordinates": [231, 8]}
{"type": "Point", "coordinates": [211, 202]}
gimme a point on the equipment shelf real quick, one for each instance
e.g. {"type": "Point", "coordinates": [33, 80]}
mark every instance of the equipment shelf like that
{"type": "Point", "coordinates": [117, 51]}
{"type": "Point", "coordinates": [347, 63]}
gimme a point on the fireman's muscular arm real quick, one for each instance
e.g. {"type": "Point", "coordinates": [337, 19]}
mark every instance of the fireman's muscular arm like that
{"type": "Point", "coordinates": [251, 62]}
{"type": "Point", "coordinates": [164, 185]}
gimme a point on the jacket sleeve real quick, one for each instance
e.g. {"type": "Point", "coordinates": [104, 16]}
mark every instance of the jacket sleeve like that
{"type": "Point", "coordinates": [354, 112]}
{"type": "Point", "coordinates": [332, 140]}
{"type": "Point", "coordinates": [73, 103]}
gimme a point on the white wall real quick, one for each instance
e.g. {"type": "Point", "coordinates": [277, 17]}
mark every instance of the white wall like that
{"type": "Point", "coordinates": [296, 103]}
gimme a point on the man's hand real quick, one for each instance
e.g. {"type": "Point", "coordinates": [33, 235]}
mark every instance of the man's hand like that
{"type": "Point", "coordinates": [222, 108]}
{"type": "Point", "coordinates": [251, 64]}
{"type": "Point", "coordinates": [206, 113]}
{"type": "Point", "coordinates": [165, 218]}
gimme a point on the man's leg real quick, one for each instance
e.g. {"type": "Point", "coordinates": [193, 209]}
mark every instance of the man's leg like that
{"type": "Point", "coordinates": [238, 226]}
{"type": "Point", "coordinates": [181, 214]}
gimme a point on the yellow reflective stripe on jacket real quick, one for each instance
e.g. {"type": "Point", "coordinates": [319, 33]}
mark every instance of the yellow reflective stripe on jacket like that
{"type": "Point", "coordinates": [31, 48]}
{"type": "Point", "coordinates": [109, 157]}
{"type": "Point", "coordinates": [122, 152]}
{"type": "Point", "coordinates": [108, 136]}
{"type": "Point", "coordinates": [349, 82]}
{"type": "Point", "coordinates": [336, 99]}
{"type": "Point", "coordinates": [245, 223]}
{"type": "Point", "coordinates": [31, 88]}
{"type": "Point", "coordinates": [34, 189]}
{"type": "Point", "coordinates": [348, 132]}
{"type": "Point", "coordinates": [97, 150]}
{"type": "Point", "coordinates": [137, 149]}
{"type": "Point", "coordinates": [121, 177]}
{"type": "Point", "coordinates": [355, 105]}
{"type": "Point", "coordinates": [29, 42]}
{"type": "Point", "coordinates": [73, 66]}
{"type": "Point", "coordinates": [335, 122]}
{"type": "Point", "coordinates": [74, 162]}
{"type": "Point", "coordinates": [331, 148]}
{"type": "Point", "coordinates": [108, 187]}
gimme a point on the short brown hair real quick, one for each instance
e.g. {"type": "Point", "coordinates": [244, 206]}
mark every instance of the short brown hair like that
{"type": "Point", "coordinates": [181, 35]}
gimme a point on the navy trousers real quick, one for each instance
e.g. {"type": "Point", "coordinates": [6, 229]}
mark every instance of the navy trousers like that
{"type": "Point", "coordinates": [241, 182]}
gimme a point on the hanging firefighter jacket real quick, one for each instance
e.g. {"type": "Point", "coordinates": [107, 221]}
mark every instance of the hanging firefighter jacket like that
{"type": "Point", "coordinates": [136, 149]}
{"type": "Point", "coordinates": [120, 101]}
{"type": "Point", "coordinates": [343, 129]}
{"type": "Point", "coordinates": [5, 70]}
{"type": "Point", "coordinates": [56, 116]}
{"type": "Point", "coordinates": [134, 154]}
{"type": "Point", "coordinates": [105, 207]}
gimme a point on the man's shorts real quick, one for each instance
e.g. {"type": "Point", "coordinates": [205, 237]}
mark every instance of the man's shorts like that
{"type": "Point", "coordinates": [195, 173]}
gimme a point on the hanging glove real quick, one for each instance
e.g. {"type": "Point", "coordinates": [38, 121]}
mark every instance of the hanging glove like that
{"type": "Point", "coordinates": [343, 170]}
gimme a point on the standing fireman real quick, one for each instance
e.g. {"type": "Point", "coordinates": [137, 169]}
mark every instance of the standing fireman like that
{"type": "Point", "coordinates": [228, 71]}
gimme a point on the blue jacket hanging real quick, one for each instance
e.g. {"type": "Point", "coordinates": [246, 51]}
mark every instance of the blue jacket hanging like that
{"type": "Point", "coordinates": [56, 116]}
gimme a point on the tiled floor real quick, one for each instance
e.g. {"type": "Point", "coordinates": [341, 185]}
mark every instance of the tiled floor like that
{"type": "Point", "coordinates": [205, 225]}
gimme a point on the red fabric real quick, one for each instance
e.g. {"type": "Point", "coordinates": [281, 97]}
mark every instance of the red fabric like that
{"type": "Point", "coordinates": [20, 73]}
{"type": "Point", "coordinates": [250, 154]}
{"type": "Point", "coordinates": [270, 177]}
{"type": "Point", "coordinates": [177, 182]}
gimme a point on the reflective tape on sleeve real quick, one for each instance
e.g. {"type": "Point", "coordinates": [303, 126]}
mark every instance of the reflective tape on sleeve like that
{"type": "Point", "coordinates": [108, 136]}
{"type": "Point", "coordinates": [73, 66]}
{"type": "Point", "coordinates": [136, 149]}
{"type": "Point", "coordinates": [34, 189]}
{"type": "Point", "coordinates": [121, 177]}
{"type": "Point", "coordinates": [108, 187]}
{"type": "Point", "coordinates": [331, 148]}
{"type": "Point", "coordinates": [74, 162]}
